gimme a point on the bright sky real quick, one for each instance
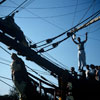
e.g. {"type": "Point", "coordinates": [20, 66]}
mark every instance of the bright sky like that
{"type": "Point", "coordinates": [43, 19]}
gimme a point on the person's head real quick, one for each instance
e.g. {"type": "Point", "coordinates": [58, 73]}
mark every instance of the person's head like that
{"type": "Point", "coordinates": [92, 66]}
{"type": "Point", "coordinates": [14, 56]}
{"type": "Point", "coordinates": [98, 67]}
{"type": "Point", "coordinates": [72, 69]}
{"type": "Point", "coordinates": [87, 66]}
{"type": "Point", "coordinates": [79, 39]}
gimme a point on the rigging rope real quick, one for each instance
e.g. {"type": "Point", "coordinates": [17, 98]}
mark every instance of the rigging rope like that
{"type": "Point", "coordinates": [60, 64]}
{"type": "Point", "coordinates": [32, 69]}
{"type": "Point", "coordinates": [69, 34]}
{"type": "Point", "coordinates": [26, 66]}
{"type": "Point", "coordinates": [5, 50]}
{"type": "Point", "coordinates": [75, 13]}
{"type": "Point", "coordinates": [4, 63]}
{"type": "Point", "coordinates": [6, 83]}
{"type": "Point", "coordinates": [5, 78]}
{"type": "Point", "coordinates": [41, 54]}
{"type": "Point", "coordinates": [39, 75]}
{"type": "Point", "coordinates": [52, 39]}
{"type": "Point", "coordinates": [55, 7]}
{"type": "Point", "coordinates": [43, 19]}
{"type": "Point", "coordinates": [5, 60]}
{"type": "Point", "coordinates": [87, 10]}
{"type": "Point", "coordinates": [17, 7]}
{"type": "Point", "coordinates": [24, 6]}
{"type": "Point", "coordinates": [2, 1]}
{"type": "Point", "coordinates": [28, 72]}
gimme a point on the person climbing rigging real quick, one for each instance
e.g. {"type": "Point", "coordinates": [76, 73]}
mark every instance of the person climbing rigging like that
{"type": "Point", "coordinates": [81, 52]}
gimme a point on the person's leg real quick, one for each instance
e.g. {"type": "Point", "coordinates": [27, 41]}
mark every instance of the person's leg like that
{"type": "Point", "coordinates": [83, 59]}
{"type": "Point", "coordinates": [79, 60]}
{"type": "Point", "coordinates": [21, 88]}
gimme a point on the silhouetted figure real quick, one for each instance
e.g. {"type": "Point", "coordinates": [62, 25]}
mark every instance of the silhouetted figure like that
{"type": "Point", "coordinates": [87, 72]}
{"type": "Point", "coordinates": [19, 75]}
{"type": "Point", "coordinates": [92, 72]}
{"type": "Point", "coordinates": [73, 73]}
{"type": "Point", "coordinates": [9, 27]}
{"type": "Point", "coordinates": [98, 73]}
{"type": "Point", "coordinates": [69, 92]}
{"type": "Point", "coordinates": [22, 81]}
{"type": "Point", "coordinates": [81, 52]}
{"type": "Point", "coordinates": [82, 74]}
{"type": "Point", "coordinates": [97, 70]}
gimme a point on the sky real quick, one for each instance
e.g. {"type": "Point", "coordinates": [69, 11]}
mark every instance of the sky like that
{"type": "Point", "coordinates": [44, 19]}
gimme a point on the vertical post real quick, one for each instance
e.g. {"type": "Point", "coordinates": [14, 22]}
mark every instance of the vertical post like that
{"type": "Point", "coordinates": [55, 94]}
{"type": "Point", "coordinates": [63, 80]}
{"type": "Point", "coordinates": [40, 87]}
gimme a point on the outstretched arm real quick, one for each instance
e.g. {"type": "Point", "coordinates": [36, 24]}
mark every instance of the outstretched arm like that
{"type": "Point", "coordinates": [86, 37]}
{"type": "Point", "coordinates": [74, 40]}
